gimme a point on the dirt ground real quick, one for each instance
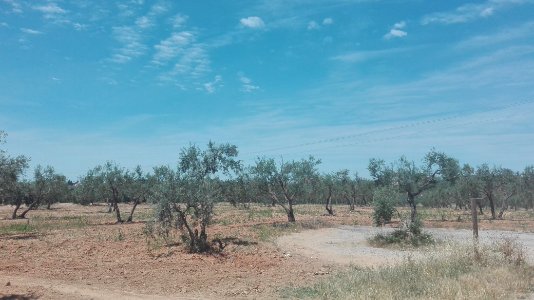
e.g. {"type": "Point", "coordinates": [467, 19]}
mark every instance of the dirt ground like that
{"type": "Point", "coordinates": [77, 252]}
{"type": "Point", "coordinates": [348, 244]}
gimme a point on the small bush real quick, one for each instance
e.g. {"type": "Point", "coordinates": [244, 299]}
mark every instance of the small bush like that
{"type": "Point", "coordinates": [384, 205]}
{"type": "Point", "coordinates": [411, 234]}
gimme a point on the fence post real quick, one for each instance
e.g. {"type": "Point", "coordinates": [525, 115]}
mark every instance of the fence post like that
{"type": "Point", "coordinates": [474, 217]}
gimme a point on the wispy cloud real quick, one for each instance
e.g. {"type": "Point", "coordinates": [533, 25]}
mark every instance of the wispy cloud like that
{"type": "Point", "coordinates": [132, 44]}
{"type": "Point", "coordinates": [313, 25]}
{"type": "Point", "coordinates": [31, 31]}
{"type": "Point", "coordinates": [53, 12]}
{"type": "Point", "coordinates": [363, 56]}
{"type": "Point", "coordinates": [396, 31]}
{"type": "Point", "coordinates": [247, 85]}
{"type": "Point", "coordinates": [470, 12]}
{"type": "Point", "coordinates": [178, 20]}
{"type": "Point", "coordinates": [211, 86]}
{"type": "Point", "coordinates": [132, 37]}
{"type": "Point", "coordinates": [328, 21]}
{"type": "Point", "coordinates": [173, 46]}
{"type": "Point", "coordinates": [523, 31]}
{"type": "Point", "coordinates": [16, 7]}
{"type": "Point", "coordinates": [252, 22]}
{"type": "Point", "coordinates": [195, 62]}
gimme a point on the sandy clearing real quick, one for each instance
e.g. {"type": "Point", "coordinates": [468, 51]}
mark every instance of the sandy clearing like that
{"type": "Point", "coordinates": [348, 244]}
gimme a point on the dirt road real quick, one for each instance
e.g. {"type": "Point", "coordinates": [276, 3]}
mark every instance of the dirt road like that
{"type": "Point", "coordinates": [348, 244]}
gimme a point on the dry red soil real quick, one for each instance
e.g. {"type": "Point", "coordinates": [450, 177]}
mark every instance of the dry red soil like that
{"type": "Point", "coordinates": [81, 254]}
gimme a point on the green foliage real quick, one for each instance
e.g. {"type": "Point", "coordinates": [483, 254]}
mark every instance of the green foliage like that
{"type": "Point", "coordinates": [11, 170]}
{"type": "Point", "coordinates": [410, 235]}
{"type": "Point", "coordinates": [286, 182]}
{"type": "Point", "coordinates": [413, 180]}
{"type": "Point", "coordinates": [186, 197]}
{"type": "Point", "coordinates": [384, 203]}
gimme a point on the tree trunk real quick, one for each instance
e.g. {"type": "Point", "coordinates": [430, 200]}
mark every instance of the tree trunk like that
{"type": "Point", "coordinates": [130, 218]}
{"type": "Point", "coordinates": [351, 202]}
{"type": "Point", "coordinates": [17, 206]}
{"type": "Point", "coordinates": [328, 205]}
{"type": "Point", "coordinates": [117, 212]}
{"type": "Point", "coordinates": [32, 205]}
{"type": "Point", "coordinates": [492, 206]}
{"type": "Point", "coordinates": [48, 205]}
{"type": "Point", "coordinates": [413, 207]}
{"type": "Point", "coordinates": [291, 215]}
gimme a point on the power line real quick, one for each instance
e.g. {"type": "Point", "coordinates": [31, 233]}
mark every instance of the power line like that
{"type": "Point", "coordinates": [400, 127]}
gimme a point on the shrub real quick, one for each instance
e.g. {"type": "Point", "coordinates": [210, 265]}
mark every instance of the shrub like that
{"type": "Point", "coordinates": [411, 234]}
{"type": "Point", "coordinates": [384, 205]}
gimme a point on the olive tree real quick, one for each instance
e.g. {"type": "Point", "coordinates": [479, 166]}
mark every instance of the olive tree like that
{"type": "Point", "coordinates": [138, 188]}
{"type": "Point", "coordinates": [286, 182]}
{"type": "Point", "coordinates": [110, 182]}
{"type": "Point", "coordinates": [11, 170]}
{"type": "Point", "coordinates": [413, 180]}
{"type": "Point", "coordinates": [527, 187]}
{"type": "Point", "coordinates": [186, 197]}
{"type": "Point", "coordinates": [496, 184]}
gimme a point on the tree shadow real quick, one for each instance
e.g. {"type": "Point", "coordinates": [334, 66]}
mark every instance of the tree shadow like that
{"type": "Point", "coordinates": [18, 297]}
{"type": "Point", "coordinates": [237, 241]}
{"type": "Point", "coordinates": [22, 236]}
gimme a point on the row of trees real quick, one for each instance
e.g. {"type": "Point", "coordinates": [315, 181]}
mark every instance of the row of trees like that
{"type": "Point", "coordinates": [185, 195]}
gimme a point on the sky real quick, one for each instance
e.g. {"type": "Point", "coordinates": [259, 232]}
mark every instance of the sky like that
{"type": "Point", "coordinates": [134, 81]}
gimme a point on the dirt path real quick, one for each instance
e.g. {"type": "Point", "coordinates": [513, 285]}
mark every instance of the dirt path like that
{"type": "Point", "coordinates": [348, 244]}
{"type": "Point", "coordinates": [55, 289]}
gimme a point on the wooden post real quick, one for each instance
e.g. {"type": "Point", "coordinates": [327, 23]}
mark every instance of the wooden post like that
{"type": "Point", "coordinates": [474, 216]}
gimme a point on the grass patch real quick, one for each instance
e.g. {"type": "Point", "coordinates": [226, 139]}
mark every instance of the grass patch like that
{"type": "Point", "coordinates": [401, 238]}
{"type": "Point", "coordinates": [453, 273]}
{"type": "Point", "coordinates": [269, 232]}
{"type": "Point", "coordinates": [18, 228]}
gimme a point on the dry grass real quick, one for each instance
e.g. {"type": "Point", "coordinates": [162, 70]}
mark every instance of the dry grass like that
{"type": "Point", "coordinates": [454, 272]}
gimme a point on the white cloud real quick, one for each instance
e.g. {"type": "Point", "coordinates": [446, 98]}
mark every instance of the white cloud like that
{"type": "Point", "coordinates": [50, 9]}
{"type": "Point", "coordinates": [470, 12]}
{"type": "Point", "coordinates": [210, 87]}
{"type": "Point", "coordinates": [132, 45]}
{"type": "Point", "coordinates": [143, 22]}
{"type": "Point", "coordinates": [194, 62]}
{"type": "Point", "coordinates": [79, 27]}
{"type": "Point", "coordinates": [4, 24]}
{"type": "Point", "coordinates": [15, 6]}
{"type": "Point", "coordinates": [363, 56]}
{"type": "Point", "coordinates": [312, 25]}
{"type": "Point", "coordinates": [31, 31]}
{"type": "Point", "coordinates": [171, 47]}
{"type": "Point", "coordinates": [523, 31]}
{"type": "Point", "coordinates": [328, 21]}
{"type": "Point", "coordinates": [179, 20]}
{"type": "Point", "coordinates": [252, 22]}
{"type": "Point", "coordinates": [396, 31]}
{"type": "Point", "coordinates": [247, 85]}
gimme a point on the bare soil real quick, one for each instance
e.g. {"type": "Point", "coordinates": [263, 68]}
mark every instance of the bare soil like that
{"type": "Point", "coordinates": [348, 244]}
{"type": "Point", "coordinates": [78, 252]}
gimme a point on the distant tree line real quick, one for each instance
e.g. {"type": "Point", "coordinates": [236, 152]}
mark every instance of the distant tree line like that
{"type": "Point", "coordinates": [184, 195]}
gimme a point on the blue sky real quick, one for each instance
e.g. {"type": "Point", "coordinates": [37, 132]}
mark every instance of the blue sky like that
{"type": "Point", "coordinates": [133, 81]}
